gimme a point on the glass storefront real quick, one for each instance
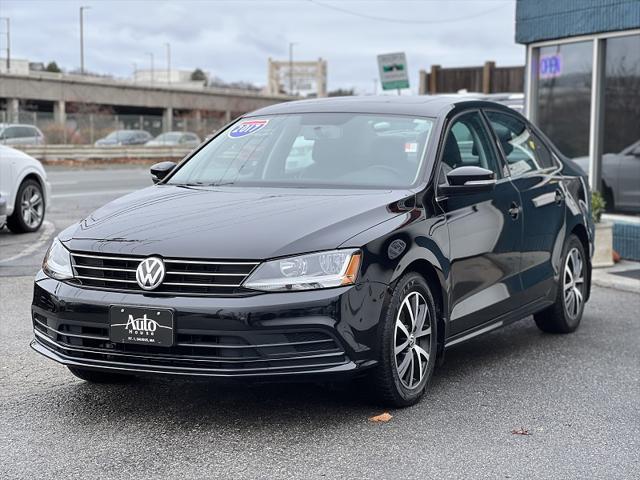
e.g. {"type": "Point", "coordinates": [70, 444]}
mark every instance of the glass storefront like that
{"type": "Point", "coordinates": [561, 104]}
{"type": "Point", "coordinates": [564, 95]}
{"type": "Point", "coordinates": [621, 162]}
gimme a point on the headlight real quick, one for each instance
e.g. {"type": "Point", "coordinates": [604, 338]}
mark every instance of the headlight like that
{"type": "Point", "coordinates": [57, 261]}
{"type": "Point", "coordinates": [307, 272]}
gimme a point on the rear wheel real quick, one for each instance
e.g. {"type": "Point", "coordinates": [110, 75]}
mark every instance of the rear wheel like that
{"type": "Point", "coordinates": [28, 213]}
{"type": "Point", "coordinates": [97, 376]}
{"type": "Point", "coordinates": [408, 350]}
{"type": "Point", "coordinates": [565, 314]}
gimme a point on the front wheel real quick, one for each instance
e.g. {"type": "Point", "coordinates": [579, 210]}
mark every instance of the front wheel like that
{"type": "Point", "coordinates": [565, 314]}
{"type": "Point", "coordinates": [408, 344]}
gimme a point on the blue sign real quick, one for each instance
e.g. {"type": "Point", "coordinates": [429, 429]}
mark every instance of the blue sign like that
{"type": "Point", "coordinates": [550, 66]}
{"type": "Point", "coordinates": [246, 128]}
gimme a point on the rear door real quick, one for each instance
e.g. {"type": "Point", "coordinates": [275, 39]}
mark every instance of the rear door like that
{"type": "Point", "coordinates": [484, 232]}
{"type": "Point", "coordinates": [537, 176]}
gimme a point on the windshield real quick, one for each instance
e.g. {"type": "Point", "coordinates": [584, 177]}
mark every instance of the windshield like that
{"type": "Point", "coordinates": [324, 149]}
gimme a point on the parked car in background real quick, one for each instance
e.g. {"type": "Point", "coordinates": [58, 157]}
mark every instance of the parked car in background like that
{"type": "Point", "coordinates": [620, 178]}
{"type": "Point", "coordinates": [23, 189]}
{"type": "Point", "coordinates": [124, 137]}
{"type": "Point", "coordinates": [20, 134]}
{"type": "Point", "coordinates": [175, 139]}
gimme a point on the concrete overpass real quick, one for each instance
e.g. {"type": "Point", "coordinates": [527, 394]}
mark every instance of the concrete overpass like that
{"type": "Point", "coordinates": [61, 90]}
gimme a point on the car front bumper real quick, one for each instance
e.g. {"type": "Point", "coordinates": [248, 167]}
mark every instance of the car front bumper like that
{"type": "Point", "coordinates": [309, 334]}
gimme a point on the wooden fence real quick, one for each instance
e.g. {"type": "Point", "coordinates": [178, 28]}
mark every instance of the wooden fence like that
{"type": "Point", "coordinates": [485, 79]}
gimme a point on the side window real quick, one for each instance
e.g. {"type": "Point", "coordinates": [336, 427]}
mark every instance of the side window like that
{"type": "Point", "coordinates": [29, 132]}
{"type": "Point", "coordinates": [467, 144]}
{"type": "Point", "coordinates": [11, 132]}
{"type": "Point", "coordinates": [524, 151]}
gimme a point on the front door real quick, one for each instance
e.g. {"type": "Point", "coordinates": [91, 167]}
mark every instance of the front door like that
{"type": "Point", "coordinates": [485, 230]}
{"type": "Point", "coordinates": [538, 178]}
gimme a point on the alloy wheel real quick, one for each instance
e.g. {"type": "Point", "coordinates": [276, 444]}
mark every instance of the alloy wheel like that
{"type": "Point", "coordinates": [573, 285]}
{"type": "Point", "coordinates": [412, 342]}
{"type": "Point", "coordinates": [31, 206]}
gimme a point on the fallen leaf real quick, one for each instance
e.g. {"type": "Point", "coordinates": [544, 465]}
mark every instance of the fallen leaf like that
{"type": "Point", "coordinates": [383, 417]}
{"type": "Point", "coordinates": [521, 431]}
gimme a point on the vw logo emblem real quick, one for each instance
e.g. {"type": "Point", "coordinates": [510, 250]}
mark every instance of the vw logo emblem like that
{"type": "Point", "coordinates": [150, 273]}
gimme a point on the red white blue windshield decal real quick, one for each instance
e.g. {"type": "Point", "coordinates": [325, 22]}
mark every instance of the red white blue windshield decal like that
{"type": "Point", "coordinates": [246, 128]}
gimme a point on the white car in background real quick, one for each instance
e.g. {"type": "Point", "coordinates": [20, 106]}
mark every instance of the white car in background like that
{"type": "Point", "coordinates": [24, 191]}
{"type": "Point", "coordinates": [175, 139]}
{"type": "Point", "coordinates": [20, 134]}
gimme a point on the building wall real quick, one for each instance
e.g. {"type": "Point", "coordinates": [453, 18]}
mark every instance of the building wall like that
{"type": "Point", "coordinates": [538, 20]}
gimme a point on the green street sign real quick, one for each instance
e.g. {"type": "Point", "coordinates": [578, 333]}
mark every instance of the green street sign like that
{"type": "Point", "coordinates": [393, 71]}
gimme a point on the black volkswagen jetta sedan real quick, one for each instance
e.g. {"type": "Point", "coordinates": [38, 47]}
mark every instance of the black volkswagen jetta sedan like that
{"type": "Point", "coordinates": [323, 239]}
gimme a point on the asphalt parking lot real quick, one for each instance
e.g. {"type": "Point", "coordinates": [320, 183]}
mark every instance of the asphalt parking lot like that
{"type": "Point", "coordinates": [577, 397]}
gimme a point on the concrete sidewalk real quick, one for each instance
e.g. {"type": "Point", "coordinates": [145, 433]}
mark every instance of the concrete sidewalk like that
{"type": "Point", "coordinates": [619, 276]}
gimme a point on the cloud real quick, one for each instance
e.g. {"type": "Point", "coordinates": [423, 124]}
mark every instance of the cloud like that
{"type": "Point", "coordinates": [233, 40]}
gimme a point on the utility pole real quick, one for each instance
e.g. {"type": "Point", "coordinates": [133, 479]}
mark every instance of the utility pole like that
{"type": "Point", "coordinates": [82, 9]}
{"type": "Point", "coordinates": [291, 44]}
{"type": "Point", "coordinates": [168, 45]}
{"type": "Point", "coordinates": [6, 19]}
{"type": "Point", "coordinates": [152, 72]}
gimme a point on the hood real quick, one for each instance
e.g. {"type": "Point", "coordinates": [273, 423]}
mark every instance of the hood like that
{"type": "Point", "coordinates": [231, 223]}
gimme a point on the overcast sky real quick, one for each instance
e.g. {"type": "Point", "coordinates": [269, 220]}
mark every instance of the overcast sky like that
{"type": "Point", "coordinates": [233, 39]}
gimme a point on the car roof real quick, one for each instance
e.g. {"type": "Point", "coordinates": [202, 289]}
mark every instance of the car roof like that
{"type": "Point", "coordinates": [419, 105]}
{"type": "Point", "coordinates": [4, 125]}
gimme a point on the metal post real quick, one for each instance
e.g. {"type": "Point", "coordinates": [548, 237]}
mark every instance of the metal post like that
{"type": "Point", "coordinates": [82, 9]}
{"type": "Point", "coordinates": [152, 72]}
{"type": "Point", "coordinates": [91, 129]}
{"type": "Point", "coordinates": [596, 122]}
{"type": "Point", "coordinates": [531, 84]}
{"type": "Point", "coordinates": [291, 44]}
{"type": "Point", "coordinates": [168, 45]}
{"type": "Point", "coordinates": [8, 33]}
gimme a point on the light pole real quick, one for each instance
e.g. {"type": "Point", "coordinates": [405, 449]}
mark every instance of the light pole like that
{"type": "Point", "coordinates": [152, 72]}
{"type": "Point", "coordinates": [82, 9]}
{"type": "Point", "coordinates": [6, 19]}
{"type": "Point", "coordinates": [291, 44]}
{"type": "Point", "coordinates": [168, 45]}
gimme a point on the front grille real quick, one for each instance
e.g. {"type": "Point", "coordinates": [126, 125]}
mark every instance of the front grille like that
{"type": "Point", "coordinates": [197, 352]}
{"type": "Point", "coordinates": [186, 277]}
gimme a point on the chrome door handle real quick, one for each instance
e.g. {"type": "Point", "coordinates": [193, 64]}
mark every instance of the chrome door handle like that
{"type": "Point", "coordinates": [514, 211]}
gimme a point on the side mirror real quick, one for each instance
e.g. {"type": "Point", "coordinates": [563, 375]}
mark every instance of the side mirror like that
{"type": "Point", "coordinates": [161, 170]}
{"type": "Point", "coordinates": [469, 179]}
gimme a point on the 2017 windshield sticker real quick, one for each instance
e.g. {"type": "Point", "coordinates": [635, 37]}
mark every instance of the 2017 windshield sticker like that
{"type": "Point", "coordinates": [245, 128]}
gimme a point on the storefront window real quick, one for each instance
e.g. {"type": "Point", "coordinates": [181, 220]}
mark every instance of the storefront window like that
{"type": "Point", "coordinates": [621, 162]}
{"type": "Point", "coordinates": [564, 95]}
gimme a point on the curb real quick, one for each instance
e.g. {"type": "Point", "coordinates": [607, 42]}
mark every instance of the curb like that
{"type": "Point", "coordinates": [609, 281]}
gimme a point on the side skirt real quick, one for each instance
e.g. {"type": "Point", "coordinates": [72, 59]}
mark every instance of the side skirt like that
{"type": "Point", "coordinates": [501, 321]}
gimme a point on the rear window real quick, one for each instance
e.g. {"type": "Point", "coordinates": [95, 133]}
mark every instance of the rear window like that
{"type": "Point", "coordinates": [324, 149]}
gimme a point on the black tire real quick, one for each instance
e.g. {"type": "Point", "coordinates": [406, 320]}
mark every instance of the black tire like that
{"type": "Point", "coordinates": [385, 381]}
{"type": "Point", "coordinates": [97, 376]}
{"type": "Point", "coordinates": [16, 221]}
{"type": "Point", "coordinates": [561, 317]}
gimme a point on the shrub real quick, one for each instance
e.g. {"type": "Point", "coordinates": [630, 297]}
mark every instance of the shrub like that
{"type": "Point", "coordinates": [597, 206]}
